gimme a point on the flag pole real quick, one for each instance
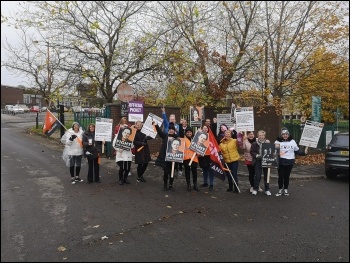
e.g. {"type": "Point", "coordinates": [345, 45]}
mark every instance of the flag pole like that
{"type": "Point", "coordinates": [232, 178]}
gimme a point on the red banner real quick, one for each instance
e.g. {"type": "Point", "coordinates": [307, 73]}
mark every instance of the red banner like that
{"type": "Point", "coordinates": [216, 159]}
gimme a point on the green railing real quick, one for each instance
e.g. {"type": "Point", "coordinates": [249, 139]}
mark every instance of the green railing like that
{"type": "Point", "coordinates": [297, 129]}
{"type": "Point", "coordinates": [85, 118]}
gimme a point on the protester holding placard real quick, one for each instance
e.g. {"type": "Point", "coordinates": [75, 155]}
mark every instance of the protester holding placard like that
{"type": "Point", "coordinates": [160, 161]}
{"type": "Point", "coordinates": [229, 149]}
{"type": "Point", "coordinates": [204, 163]}
{"type": "Point", "coordinates": [288, 149]}
{"type": "Point", "coordinates": [256, 153]}
{"type": "Point", "coordinates": [123, 156]}
{"type": "Point", "coordinates": [248, 140]}
{"type": "Point", "coordinates": [190, 161]}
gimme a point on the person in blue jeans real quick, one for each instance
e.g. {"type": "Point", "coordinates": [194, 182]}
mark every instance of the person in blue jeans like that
{"type": "Point", "coordinates": [255, 151]}
{"type": "Point", "coordinates": [204, 163]}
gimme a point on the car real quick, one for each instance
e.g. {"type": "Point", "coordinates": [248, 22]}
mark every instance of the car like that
{"type": "Point", "coordinates": [337, 155]}
{"type": "Point", "coordinates": [16, 109]}
{"type": "Point", "coordinates": [44, 109]}
{"type": "Point", "coordinates": [77, 109]}
{"type": "Point", "coordinates": [24, 107]}
{"type": "Point", "coordinates": [34, 109]}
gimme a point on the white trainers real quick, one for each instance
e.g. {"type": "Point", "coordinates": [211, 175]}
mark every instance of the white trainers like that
{"type": "Point", "coordinates": [251, 189]}
{"type": "Point", "coordinates": [260, 190]}
{"type": "Point", "coordinates": [268, 193]}
{"type": "Point", "coordinates": [286, 192]}
{"type": "Point", "coordinates": [279, 193]}
{"type": "Point", "coordinates": [129, 174]}
{"type": "Point", "coordinates": [254, 192]}
{"type": "Point", "coordinates": [179, 173]}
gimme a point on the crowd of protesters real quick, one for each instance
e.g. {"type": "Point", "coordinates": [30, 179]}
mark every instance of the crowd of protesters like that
{"type": "Point", "coordinates": [80, 144]}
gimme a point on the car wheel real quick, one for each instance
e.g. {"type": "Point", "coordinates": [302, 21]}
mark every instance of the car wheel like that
{"type": "Point", "coordinates": [331, 174]}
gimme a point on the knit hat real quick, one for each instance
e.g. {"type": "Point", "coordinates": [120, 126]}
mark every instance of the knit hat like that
{"type": "Point", "coordinates": [188, 129]}
{"type": "Point", "coordinates": [75, 123]}
{"type": "Point", "coordinates": [171, 126]}
{"type": "Point", "coordinates": [284, 130]}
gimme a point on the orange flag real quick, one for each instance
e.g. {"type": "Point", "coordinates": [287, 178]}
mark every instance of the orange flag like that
{"type": "Point", "coordinates": [50, 124]}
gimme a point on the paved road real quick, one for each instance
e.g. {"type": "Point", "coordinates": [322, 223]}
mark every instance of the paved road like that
{"type": "Point", "coordinates": [45, 218]}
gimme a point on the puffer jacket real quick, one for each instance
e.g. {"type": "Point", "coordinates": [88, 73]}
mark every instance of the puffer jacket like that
{"type": "Point", "coordinates": [73, 147]}
{"type": "Point", "coordinates": [229, 149]}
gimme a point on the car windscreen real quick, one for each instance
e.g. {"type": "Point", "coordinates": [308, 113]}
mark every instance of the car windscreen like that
{"type": "Point", "coordinates": [341, 140]}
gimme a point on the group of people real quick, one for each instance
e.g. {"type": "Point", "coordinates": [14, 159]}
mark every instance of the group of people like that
{"type": "Point", "coordinates": [81, 144]}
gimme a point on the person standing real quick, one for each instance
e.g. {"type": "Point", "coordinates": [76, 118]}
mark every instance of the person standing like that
{"type": "Point", "coordinates": [248, 140]}
{"type": "Point", "coordinates": [204, 163]}
{"type": "Point", "coordinates": [160, 161]}
{"type": "Point", "coordinates": [123, 158]}
{"type": "Point", "coordinates": [221, 133]}
{"type": "Point", "coordinates": [229, 149]}
{"type": "Point", "coordinates": [288, 150]}
{"type": "Point", "coordinates": [74, 148]}
{"type": "Point", "coordinates": [188, 154]}
{"type": "Point", "coordinates": [142, 152]}
{"type": "Point", "coordinates": [93, 150]}
{"type": "Point", "coordinates": [256, 153]}
{"type": "Point", "coordinates": [122, 123]}
{"type": "Point", "coordinates": [166, 122]}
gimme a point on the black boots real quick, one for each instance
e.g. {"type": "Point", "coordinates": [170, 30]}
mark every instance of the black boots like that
{"type": "Point", "coordinates": [230, 187]}
{"type": "Point", "coordinates": [195, 187]}
{"type": "Point", "coordinates": [189, 187]}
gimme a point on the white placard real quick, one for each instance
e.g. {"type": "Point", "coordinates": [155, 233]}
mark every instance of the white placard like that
{"type": "Point", "coordinates": [103, 129]}
{"type": "Point", "coordinates": [224, 119]}
{"type": "Point", "coordinates": [244, 119]}
{"type": "Point", "coordinates": [311, 134]}
{"type": "Point", "coordinates": [328, 137]}
{"type": "Point", "coordinates": [148, 128]}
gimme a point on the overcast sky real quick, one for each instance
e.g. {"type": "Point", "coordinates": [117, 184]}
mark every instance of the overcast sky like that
{"type": "Point", "coordinates": [8, 78]}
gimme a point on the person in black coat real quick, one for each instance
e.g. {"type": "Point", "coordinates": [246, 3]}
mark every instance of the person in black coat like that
{"type": "Point", "coordinates": [92, 151]}
{"type": "Point", "coordinates": [160, 161]}
{"type": "Point", "coordinates": [142, 152]}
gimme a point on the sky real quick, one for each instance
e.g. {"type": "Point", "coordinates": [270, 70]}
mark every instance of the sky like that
{"type": "Point", "coordinates": [9, 78]}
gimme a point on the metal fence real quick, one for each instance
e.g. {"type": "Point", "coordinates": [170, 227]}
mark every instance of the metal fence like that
{"type": "Point", "coordinates": [297, 129]}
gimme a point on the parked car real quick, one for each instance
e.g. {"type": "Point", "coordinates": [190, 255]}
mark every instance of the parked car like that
{"type": "Point", "coordinates": [34, 109]}
{"type": "Point", "coordinates": [24, 107]}
{"type": "Point", "coordinates": [44, 109]}
{"type": "Point", "coordinates": [16, 109]}
{"type": "Point", "coordinates": [77, 109]}
{"type": "Point", "coordinates": [337, 155]}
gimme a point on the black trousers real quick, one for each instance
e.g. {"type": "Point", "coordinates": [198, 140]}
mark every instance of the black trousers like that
{"type": "Point", "coordinates": [94, 169]}
{"type": "Point", "coordinates": [141, 168]}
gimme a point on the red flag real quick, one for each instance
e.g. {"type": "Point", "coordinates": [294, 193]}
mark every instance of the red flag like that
{"type": "Point", "coordinates": [50, 123]}
{"type": "Point", "coordinates": [216, 158]}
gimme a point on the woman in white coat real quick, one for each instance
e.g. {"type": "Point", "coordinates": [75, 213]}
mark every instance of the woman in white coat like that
{"type": "Point", "coordinates": [73, 150]}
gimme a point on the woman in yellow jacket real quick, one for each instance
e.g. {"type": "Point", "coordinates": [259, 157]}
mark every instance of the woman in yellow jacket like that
{"type": "Point", "coordinates": [187, 158]}
{"type": "Point", "coordinates": [229, 149]}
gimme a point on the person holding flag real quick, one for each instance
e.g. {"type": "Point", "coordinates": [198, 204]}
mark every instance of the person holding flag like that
{"type": "Point", "coordinates": [74, 149]}
{"type": "Point", "coordinates": [229, 148]}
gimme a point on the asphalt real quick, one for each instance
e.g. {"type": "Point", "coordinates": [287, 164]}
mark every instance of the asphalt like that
{"type": "Point", "coordinates": [300, 171]}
